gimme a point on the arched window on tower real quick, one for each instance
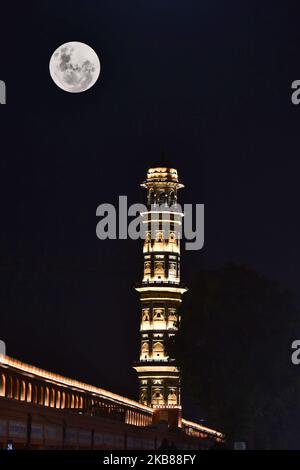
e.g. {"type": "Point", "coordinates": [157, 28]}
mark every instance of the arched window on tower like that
{"type": "Point", "coordinates": [157, 397]}
{"type": "Point", "coordinates": [159, 237]}
{"type": "Point", "coordinates": [159, 242]}
{"type": "Point", "coordinates": [158, 350]}
{"type": "Point", "coordinates": [171, 198]}
{"type": "Point", "coordinates": [173, 245]}
{"type": "Point", "coordinates": [172, 270]}
{"type": "Point", "coordinates": [172, 237]}
{"type": "Point", "coordinates": [145, 315]}
{"type": "Point", "coordinates": [159, 319]}
{"type": "Point", "coordinates": [163, 199]}
{"type": "Point", "coordinates": [147, 270]}
{"type": "Point", "coordinates": [172, 398]}
{"type": "Point", "coordinates": [145, 350]}
{"type": "Point", "coordinates": [151, 196]}
{"type": "Point", "coordinates": [172, 318]}
{"type": "Point", "coordinates": [147, 243]}
{"type": "Point", "coordinates": [145, 325]}
{"type": "Point", "coordinates": [159, 270]}
{"type": "Point", "coordinates": [144, 398]}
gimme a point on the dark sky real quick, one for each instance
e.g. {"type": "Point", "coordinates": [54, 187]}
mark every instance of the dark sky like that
{"type": "Point", "coordinates": [209, 82]}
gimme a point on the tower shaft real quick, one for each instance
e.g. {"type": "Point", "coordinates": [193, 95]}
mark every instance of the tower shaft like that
{"type": "Point", "coordinates": [160, 293]}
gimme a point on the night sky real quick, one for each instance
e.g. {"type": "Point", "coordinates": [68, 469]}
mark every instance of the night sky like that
{"type": "Point", "coordinates": [208, 83]}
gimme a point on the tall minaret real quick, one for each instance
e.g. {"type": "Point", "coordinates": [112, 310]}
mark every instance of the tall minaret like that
{"type": "Point", "coordinates": [160, 294]}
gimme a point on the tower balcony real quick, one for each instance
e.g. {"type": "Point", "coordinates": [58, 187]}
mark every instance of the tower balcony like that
{"type": "Point", "coordinates": [152, 361]}
{"type": "Point", "coordinates": [157, 369]}
{"type": "Point", "coordinates": [161, 285]}
{"type": "Point", "coordinates": [157, 364]}
{"type": "Point", "coordinates": [155, 360]}
{"type": "Point", "coordinates": [160, 282]}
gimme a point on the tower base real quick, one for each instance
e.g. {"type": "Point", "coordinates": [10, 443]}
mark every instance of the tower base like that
{"type": "Point", "coordinates": [171, 416]}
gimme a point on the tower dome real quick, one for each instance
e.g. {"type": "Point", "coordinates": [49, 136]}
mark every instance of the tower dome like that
{"type": "Point", "coordinates": [160, 174]}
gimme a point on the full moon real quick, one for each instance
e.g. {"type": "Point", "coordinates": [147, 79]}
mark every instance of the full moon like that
{"type": "Point", "coordinates": [74, 67]}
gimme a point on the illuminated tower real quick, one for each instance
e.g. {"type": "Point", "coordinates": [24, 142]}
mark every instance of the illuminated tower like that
{"type": "Point", "coordinates": [160, 294]}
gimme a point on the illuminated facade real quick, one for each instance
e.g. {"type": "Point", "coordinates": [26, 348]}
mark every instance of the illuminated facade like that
{"type": "Point", "coordinates": [44, 410]}
{"type": "Point", "coordinates": [160, 292]}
